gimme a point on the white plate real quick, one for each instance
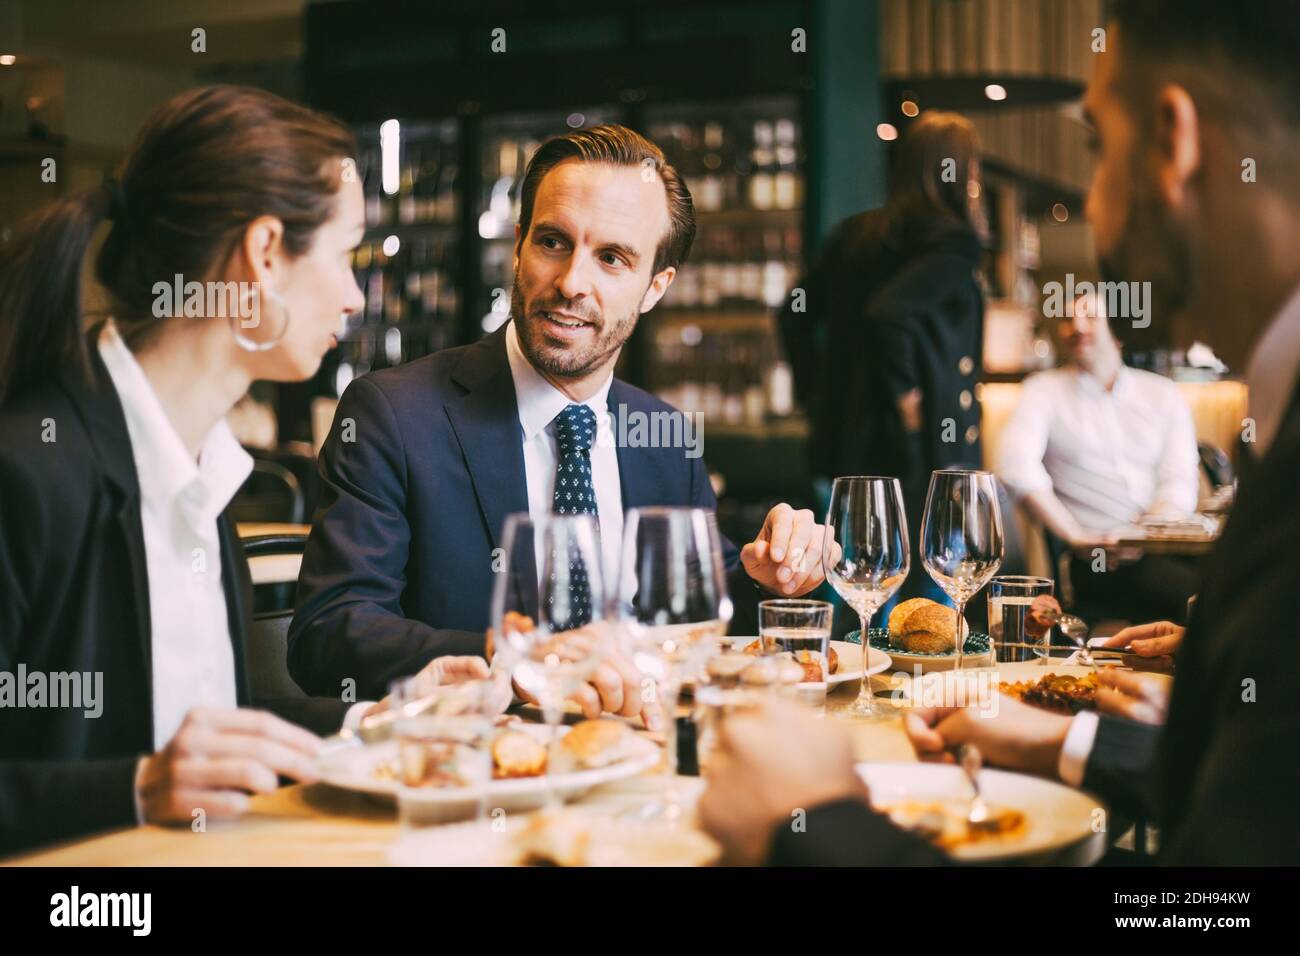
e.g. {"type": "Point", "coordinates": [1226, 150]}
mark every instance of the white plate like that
{"type": "Point", "coordinates": [1061, 823]}
{"type": "Point", "coordinates": [614, 842]}
{"type": "Point", "coordinates": [352, 766]}
{"type": "Point", "coordinates": [850, 660]}
{"type": "Point", "coordinates": [969, 686]}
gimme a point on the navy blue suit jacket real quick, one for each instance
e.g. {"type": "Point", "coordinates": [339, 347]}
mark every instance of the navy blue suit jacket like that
{"type": "Point", "coordinates": [421, 467]}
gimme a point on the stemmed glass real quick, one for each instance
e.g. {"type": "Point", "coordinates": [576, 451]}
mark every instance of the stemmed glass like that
{"type": "Point", "coordinates": [549, 613]}
{"type": "Point", "coordinates": [961, 537]}
{"type": "Point", "coordinates": [866, 556]}
{"type": "Point", "coordinates": [673, 606]}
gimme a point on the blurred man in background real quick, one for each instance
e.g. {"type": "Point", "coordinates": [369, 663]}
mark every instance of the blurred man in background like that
{"type": "Point", "coordinates": [1094, 446]}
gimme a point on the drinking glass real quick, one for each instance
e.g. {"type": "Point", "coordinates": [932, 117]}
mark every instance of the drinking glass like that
{"type": "Point", "coordinates": [866, 556]}
{"type": "Point", "coordinates": [443, 734]}
{"type": "Point", "coordinates": [961, 537]}
{"type": "Point", "coordinates": [1017, 630]}
{"type": "Point", "coordinates": [801, 630]}
{"type": "Point", "coordinates": [550, 627]}
{"type": "Point", "coordinates": [673, 607]}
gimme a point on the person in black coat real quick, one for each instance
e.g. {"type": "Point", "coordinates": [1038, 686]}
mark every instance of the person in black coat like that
{"type": "Point", "coordinates": [885, 332]}
{"type": "Point", "coordinates": [1219, 775]}
{"type": "Point", "coordinates": [125, 599]}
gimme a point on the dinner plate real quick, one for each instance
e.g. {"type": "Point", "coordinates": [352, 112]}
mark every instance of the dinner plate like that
{"type": "Point", "coordinates": [614, 841]}
{"type": "Point", "coordinates": [850, 660]}
{"type": "Point", "coordinates": [971, 686]}
{"type": "Point", "coordinates": [353, 766]}
{"type": "Point", "coordinates": [908, 662]}
{"type": "Point", "coordinates": [1063, 826]}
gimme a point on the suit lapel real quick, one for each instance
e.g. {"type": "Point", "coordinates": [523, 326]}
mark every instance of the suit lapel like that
{"type": "Point", "coordinates": [100, 409]}
{"type": "Point", "coordinates": [641, 476]}
{"type": "Point", "coordinates": [486, 423]}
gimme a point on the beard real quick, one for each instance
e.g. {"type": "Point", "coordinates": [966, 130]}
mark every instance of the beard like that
{"type": "Point", "coordinates": [563, 359]}
{"type": "Point", "coordinates": [1155, 247]}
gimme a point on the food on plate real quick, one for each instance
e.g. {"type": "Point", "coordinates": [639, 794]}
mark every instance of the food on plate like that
{"type": "Point", "coordinates": [517, 754]}
{"type": "Point", "coordinates": [598, 743]}
{"type": "Point", "coordinates": [945, 824]}
{"type": "Point", "coordinates": [802, 657]}
{"type": "Point", "coordinates": [924, 627]}
{"type": "Point", "coordinates": [899, 614]}
{"type": "Point", "coordinates": [1059, 692]}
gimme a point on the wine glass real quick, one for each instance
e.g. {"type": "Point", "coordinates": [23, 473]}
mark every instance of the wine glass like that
{"type": "Point", "coordinates": [673, 606]}
{"type": "Point", "coordinates": [866, 556]}
{"type": "Point", "coordinates": [549, 613]}
{"type": "Point", "coordinates": [961, 537]}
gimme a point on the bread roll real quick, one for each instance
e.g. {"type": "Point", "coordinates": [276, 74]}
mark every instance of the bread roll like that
{"type": "Point", "coordinates": [931, 629]}
{"type": "Point", "coordinates": [899, 614]}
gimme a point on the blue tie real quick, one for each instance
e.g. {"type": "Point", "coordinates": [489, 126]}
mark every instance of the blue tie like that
{"type": "Point", "coordinates": [575, 432]}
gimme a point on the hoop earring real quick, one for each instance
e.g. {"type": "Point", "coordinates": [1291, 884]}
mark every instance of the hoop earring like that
{"type": "Point", "coordinates": [243, 341]}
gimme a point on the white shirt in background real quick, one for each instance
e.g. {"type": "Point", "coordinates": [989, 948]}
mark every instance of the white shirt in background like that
{"type": "Point", "coordinates": [1110, 456]}
{"type": "Point", "coordinates": [180, 500]}
{"type": "Point", "coordinates": [539, 402]}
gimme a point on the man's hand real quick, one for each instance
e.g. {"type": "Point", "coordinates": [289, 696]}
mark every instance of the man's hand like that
{"type": "Point", "coordinates": [615, 688]}
{"type": "Point", "coordinates": [786, 557]}
{"type": "Point", "coordinates": [768, 763]}
{"type": "Point", "coordinates": [218, 758]}
{"type": "Point", "coordinates": [445, 670]}
{"type": "Point", "coordinates": [1014, 735]}
{"type": "Point", "coordinates": [1140, 697]}
{"type": "Point", "coordinates": [1159, 639]}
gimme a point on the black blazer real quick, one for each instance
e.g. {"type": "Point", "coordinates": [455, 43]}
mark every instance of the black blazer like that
{"type": "Point", "coordinates": [882, 315]}
{"type": "Point", "coordinates": [74, 596]}
{"type": "Point", "coordinates": [422, 465]}
{"type": "Point", "coordinates": [1221, 777]}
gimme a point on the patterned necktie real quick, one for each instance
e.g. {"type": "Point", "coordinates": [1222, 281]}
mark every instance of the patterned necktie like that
{"type": "Point", "coordinates": [575, 432]}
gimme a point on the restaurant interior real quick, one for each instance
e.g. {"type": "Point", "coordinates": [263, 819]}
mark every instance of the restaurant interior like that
{"type": "Point", "coordinates": [784, 119]}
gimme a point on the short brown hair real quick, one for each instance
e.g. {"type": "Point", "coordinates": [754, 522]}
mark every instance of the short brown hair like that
{"type": "Point", "coordinates": [618, 146]}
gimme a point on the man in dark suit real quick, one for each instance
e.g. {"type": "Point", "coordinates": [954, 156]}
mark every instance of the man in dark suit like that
{"type": "Point", "coordinates": [1196, 191]}
{"type": "Point", "coordinates": [425, 461]}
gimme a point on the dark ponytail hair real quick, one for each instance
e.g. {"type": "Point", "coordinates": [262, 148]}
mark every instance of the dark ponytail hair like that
{"type": "Point", "coordinates": [203, 166]}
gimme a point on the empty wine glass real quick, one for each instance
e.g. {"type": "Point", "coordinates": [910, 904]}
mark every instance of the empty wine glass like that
{"type": "Point", "coordinates": [961, 538]}
{"type": "Point", "coordinates": [673, 607]}
{"type": "Point", "coordinates": [549, 625]}
{"type": "Point", "coordinates": [866, 556]}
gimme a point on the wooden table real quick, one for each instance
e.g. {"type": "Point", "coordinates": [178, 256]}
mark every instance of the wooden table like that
{"type": "Point", "coordinates": [317, 825]}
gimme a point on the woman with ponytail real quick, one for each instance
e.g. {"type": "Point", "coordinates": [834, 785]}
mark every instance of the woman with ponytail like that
{"type": "Point", "coordinates": [120, 573]}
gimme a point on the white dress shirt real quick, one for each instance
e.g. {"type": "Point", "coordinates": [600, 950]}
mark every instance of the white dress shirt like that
{"type": "Point", "coordinates": [1270, 379]}
{"type": "Point", "coordinates": [1109, 455]}
{"type": "Point", "coordinates": [539, 402]}
{"type": "Point", "coordinates": [180, 500]}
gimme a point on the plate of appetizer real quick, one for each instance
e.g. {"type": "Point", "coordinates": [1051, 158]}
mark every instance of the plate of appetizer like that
{"type": "Point", "coordinates": [587, 754]}
{"type": "Point", "coordinates": [843, 661]}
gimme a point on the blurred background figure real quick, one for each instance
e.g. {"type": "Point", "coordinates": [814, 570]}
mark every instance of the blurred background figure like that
{"type": "Point", "coordinates": [887, 338]}
{"type": "Point", "coordinates": [1094, 446]}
